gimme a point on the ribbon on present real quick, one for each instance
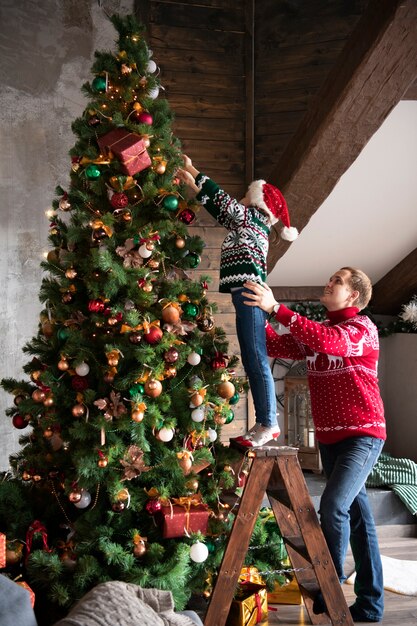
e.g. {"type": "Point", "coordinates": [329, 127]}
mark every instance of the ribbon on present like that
{"type": "Point", "coordinates": [35, 528]}
{"type": "Point", "coordinates": [250, 574]}
{"type": "Point", "coordinates": [187, 502]}
{"type": "Point", "coordinates": [101, 160]}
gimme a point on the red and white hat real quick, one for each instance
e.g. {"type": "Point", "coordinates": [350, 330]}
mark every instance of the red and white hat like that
{"type": "Point", "coordinates": [272, 202]}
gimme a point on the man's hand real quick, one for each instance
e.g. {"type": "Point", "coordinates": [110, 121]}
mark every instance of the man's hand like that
{"type": "Point", "coordinates": [259, 295]}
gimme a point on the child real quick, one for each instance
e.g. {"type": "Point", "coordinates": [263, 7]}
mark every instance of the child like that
{"type": "Point", "coordinates": [244, 257]}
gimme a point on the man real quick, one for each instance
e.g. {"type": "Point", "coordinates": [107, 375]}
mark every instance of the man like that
{"type": "Point", "coordinates": [342, 358]}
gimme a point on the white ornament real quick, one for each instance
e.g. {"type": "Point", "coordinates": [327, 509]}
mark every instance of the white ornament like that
{"type": "Point", "coordinates": [151, 67]}
{"type": "Point", "coordinates": [84, 501]}
{"type": "Point", "coordinates": [166, 434]}
{"type": "Point", "coordinates": [144, 252]}
{"type": "Point", "coordinates": [198, 414]}
{"type": "Point", "coordinates": [212, 434]}
{"type": "Point", "coordinates": [82, 369]}
{"type": "Point", "coordinates": [153, 93]}
{"type": "Point", "coordinates": [194, 358]}
{"type": "Point", "coordinates": [198, 552]}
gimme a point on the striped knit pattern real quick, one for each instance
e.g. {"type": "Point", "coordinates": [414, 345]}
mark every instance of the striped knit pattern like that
{"type": "Point", "coordinates": [398, 474]}
{"type": "Point", "coordinates": [245, 248]}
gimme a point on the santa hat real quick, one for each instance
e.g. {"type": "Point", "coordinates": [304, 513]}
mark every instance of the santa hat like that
{"type": "Point", "coordinates": [272, 202]}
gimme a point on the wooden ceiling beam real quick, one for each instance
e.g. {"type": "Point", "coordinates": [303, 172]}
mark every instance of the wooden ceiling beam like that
{"type": "Point", "coordinates": [396, 288]}
{"type": "Point", "coordinates": [374, 70]}
{"type": "Point", "coordinates": [297, 294]}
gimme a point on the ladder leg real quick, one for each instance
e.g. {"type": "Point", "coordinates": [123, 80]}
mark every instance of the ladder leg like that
{"type": "Point", "coordinates": [314, 542]}
{"type": "Point", "coordinates": [238, 542]}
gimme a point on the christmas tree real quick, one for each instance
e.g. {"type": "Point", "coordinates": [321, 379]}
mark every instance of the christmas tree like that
{"type": "Point", "coordinates": [121, 472]}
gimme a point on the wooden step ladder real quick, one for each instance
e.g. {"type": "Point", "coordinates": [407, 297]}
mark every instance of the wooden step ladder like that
{"type": "Point", "coordinates": [276, 471]}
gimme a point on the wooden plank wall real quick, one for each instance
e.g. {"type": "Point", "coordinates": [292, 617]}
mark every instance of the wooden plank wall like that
{"type": "Point", "coordinates": [200, 47]}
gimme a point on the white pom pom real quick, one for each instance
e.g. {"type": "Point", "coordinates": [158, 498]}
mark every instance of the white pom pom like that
{"type": "Point", "coordinates": [289, 234]}
{"type": "Point", "coordinates": [198, 552]}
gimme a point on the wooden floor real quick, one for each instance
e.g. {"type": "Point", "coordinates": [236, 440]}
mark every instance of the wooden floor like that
{"type": "Point", "coordinates": [400, 610]}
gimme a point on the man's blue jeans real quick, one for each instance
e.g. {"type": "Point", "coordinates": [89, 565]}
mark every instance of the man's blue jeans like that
{"type": "Point", "coordinates": [250, 328]}
{"type": "Point", "coordinates": [345, 513]}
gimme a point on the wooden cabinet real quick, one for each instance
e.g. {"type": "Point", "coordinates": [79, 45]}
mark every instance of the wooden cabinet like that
{"type": "Point", "coordinates": [298, 422]}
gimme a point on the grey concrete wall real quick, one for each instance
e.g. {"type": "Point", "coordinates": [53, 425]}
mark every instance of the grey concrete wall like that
{"type": "Point", "coordinates": [46, 51]}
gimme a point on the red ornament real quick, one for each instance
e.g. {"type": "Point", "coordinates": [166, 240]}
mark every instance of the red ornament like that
{"type": "Point", "coordinates": [154, 335]}
{"type": "Point", "coordinates": [171, 355]}
{"type": "Point", "coordinates": [19, 421]}
{"type": "Point", "coordinates": [79, 383]}
{"type": "Point", "coordinates": [119, 200]}
{"type": "Point", "coordinates": [218, 361]}
{"type": "Point", "coordinates": [96, 306]}
{"type": "Point", "coordinates": [187, 216]}
{"type": "Point", "coordinates": [144, 118]}
{"type": "Point", "coordinates": [153, 506]}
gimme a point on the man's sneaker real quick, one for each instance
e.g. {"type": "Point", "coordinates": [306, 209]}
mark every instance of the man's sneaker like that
{"type": "Point", "coordinates": [261, 437]}
{"type": "Point", "coordinates": [250, 432]}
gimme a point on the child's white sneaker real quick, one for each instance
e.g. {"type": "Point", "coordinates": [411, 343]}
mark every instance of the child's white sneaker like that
{"type": "Point", "coordinates": [257, 426]}
{"type": "Point", "coordinates": [261, 436]}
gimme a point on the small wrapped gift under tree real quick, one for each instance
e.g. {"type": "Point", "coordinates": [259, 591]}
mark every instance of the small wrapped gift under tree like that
{"type": "Point", "coordinates": [250, 605]}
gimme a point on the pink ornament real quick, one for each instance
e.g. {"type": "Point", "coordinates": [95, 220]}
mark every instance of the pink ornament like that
{"type": "Point", "coordinates": [145, 118]}
{"type": "Point", "coordinates": [153, 506]}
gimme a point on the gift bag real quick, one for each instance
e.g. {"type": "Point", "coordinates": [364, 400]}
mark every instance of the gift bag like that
{"type": "Point", "coordinates": [288, 593]}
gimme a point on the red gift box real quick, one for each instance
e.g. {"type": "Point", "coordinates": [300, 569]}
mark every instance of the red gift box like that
{"type": "Point", "coordinates": [188, 516]}
{"type": "Point", "coordinates": [128, 148]}
{"type": "Point", "coordinates": [31, 592]}
{"type": "Point", "coordinates": [2, 550]}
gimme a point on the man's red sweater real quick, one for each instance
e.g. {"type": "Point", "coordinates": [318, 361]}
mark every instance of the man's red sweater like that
{"type": "Point", "coordinates": [342, 362]}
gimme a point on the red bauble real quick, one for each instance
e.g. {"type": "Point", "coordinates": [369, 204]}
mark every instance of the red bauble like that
{"type": "Point", "coordinates": [96, 306]}
{"type": "Point", "coordinates": [19, 421]}
{"type": "Point", "coordinates": [79, 383]}
{"type": "Point", "coordinates": [218, 361]}
{"type": "Point", "coordinates": [153, 506]}
{"type": "Point", "coordinates": [187, 216]}
{"type": "Point", "coordinates": [154, 335]}
{"type": "Point", "coordinates": [144, 118]}
{"type": "Point", "coordinates": [119, 200]}
{"type": "Point", "coordinates": [171, 355]}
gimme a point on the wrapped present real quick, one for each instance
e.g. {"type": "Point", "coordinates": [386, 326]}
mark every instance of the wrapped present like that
{"type": "Point", "coordinates": [249, 607]}
{"type": "Point", "coordinates": [250, 574]}
{"type": "Point", "coordinates": [184, 515]}
{"type": "Point", "coordinates": [2, 550]}
{"type": "Point", "coordinates": [31, 592]}
{"type": "Point", "coordinates": [128, 148]}
{"type": "Point", "coordinates": [288, 593]}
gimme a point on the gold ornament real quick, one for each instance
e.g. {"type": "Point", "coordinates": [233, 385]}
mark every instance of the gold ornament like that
{"type": "Point", "coordinates": [48, 432]}
{"type": "Point", "coordinates": [197, 399]}
{"type": "Point", "coordinates": [71, 273]}
{"type": "Point", "coordinates": [38, 395]}
{"type": "Point", "coordinates": [49, 400]}
{"type": "Point", "coordinates": [63, 364]}
{"type": "Point", "coordinates": [192, 484]}
{"type": "Point", "coordinates": [78, 410]}
{"type": "Point", "coordinates": [113, 357]}
{"type": "Point", "coordinates": [153, 388]}
{"type": "Point", "coordinates": [180, 243]}
{"type": "Point", "coordinates": [171, 313]}
{"type": "Point", "coordinates": [103, 461]}
{"type": "Point", "coordinates": [74, 496]}
{"type": "Point", "coordinates": [226, 389]}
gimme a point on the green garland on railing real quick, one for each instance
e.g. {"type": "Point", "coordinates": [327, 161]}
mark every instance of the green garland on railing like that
{"type": "Point", "coordinates": [317, 312]}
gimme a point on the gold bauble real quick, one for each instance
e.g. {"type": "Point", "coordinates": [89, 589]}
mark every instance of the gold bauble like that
{"type": "Point", "coordinates": [35, 375]}
{"type": "Point", "coordinates": [103, 462]}
{"type": "Point", "coordinates": [192, 484]}
{"type": "Point", "coordinates": [26, 476]}
{"type": "Point", "coordinates": [74, 496]}
{"type": "Point", "coordinates": [226, 389]}
{"type": "Point", "coordinates": [153, 264]}
{"type": "Point", "coordinates": [153, 388]}
{"type": "Point", "coordinates": [47, 433]}
{"type": "Point", "coordinates": [160, 168]}
{"type": "Point", "coordinates": [185, 464]}
{"type": "Point", "coordinates": [139, 549]}
{"type": "Point", "coordinates": [78, 410]}
{"type": "Point", "coordinates": [197, 399]}
{"type": "Point", "coordinates": [180, 242]}
{"type": "Point", "coordinates": [147, 287]}
{"type": "Point", "coordinates": [36, 478]}
{"type": "Point", "coordinates": [63, 365]}
{"type": "Point", "coordinates": [219, 419]}
{"type": "Point", "coordinates": [49, 401]}
{"type": "Point", "coordinates": [38, 395]}
{"type": "Point", "coordinates": [171, 314]}
{"type": "Point", "coordinates": [137, 416]}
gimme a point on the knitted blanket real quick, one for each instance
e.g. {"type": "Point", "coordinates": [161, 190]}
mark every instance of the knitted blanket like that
{"type": "Point", "coordinates": [125, 604]}
{"type": "Point", "coordinates": [400, 475]}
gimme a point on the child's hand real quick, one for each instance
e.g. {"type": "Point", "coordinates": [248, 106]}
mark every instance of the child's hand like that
{"type": "Point", "coordinates": [187, 178]}
{"type": "Point", "coordinates": [187, 161]}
